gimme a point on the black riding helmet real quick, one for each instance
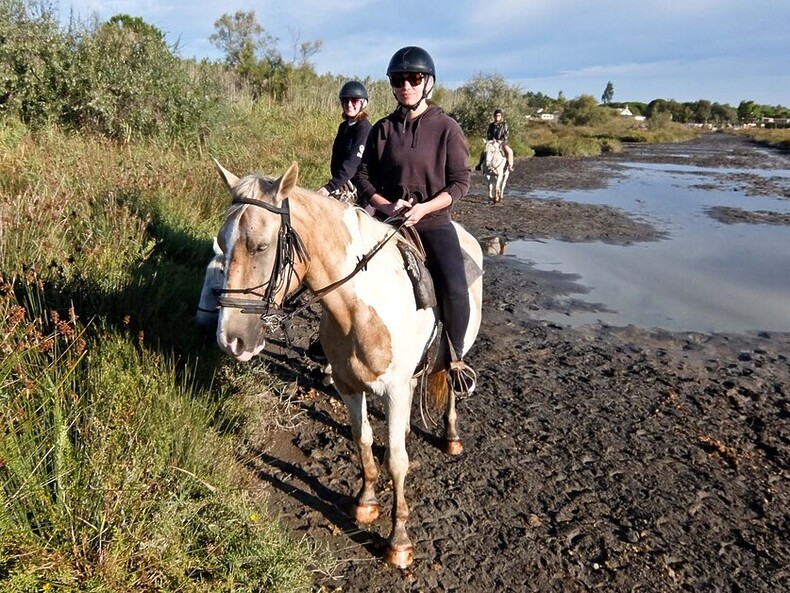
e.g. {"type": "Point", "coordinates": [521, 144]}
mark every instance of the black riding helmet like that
{"type": "Point", "coordinates": [353, 89]}
{"type": "Point", "coordinates": [413, 59]}
{"type": "Point", "coordinates": [498, 111]}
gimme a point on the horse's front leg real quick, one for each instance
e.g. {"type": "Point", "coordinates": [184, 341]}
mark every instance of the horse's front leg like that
{"type": "Point", "coordinates": [399, 553]}
{"type": "Point", "coordinates": [366, 507]}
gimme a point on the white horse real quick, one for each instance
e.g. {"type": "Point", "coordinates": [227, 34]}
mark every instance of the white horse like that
{"type": "Point", "coordinates": [276, 237]}
{"type": "Point", "coordinates": [496, 170]}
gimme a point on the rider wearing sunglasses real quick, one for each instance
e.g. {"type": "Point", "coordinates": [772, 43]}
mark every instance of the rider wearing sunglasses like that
{"type": "Point", "coordinates": [415, 165]}
{"type": "Point", "coordinates": [350, 139]}
{"type": "Point", "coordinates": [347, 150]}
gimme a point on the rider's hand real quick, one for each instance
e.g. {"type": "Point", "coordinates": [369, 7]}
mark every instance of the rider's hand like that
{"type": "Point", "coordinates": [416, 213]}
{"type": "Point", "coordinates": [323, 191]}
{"type": "Point", "coordinates": [394, 208]}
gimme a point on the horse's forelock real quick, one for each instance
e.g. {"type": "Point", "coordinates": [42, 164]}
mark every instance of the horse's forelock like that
{"type": "Point", "coordinates": [250, 187]}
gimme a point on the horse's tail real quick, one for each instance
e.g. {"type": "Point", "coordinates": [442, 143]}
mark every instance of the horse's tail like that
{"type": "Point", "coordinates": [438, 390]}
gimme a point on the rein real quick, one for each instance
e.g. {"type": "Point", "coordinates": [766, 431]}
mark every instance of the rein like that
{"type": "Point", "coordinates": [289, 246]}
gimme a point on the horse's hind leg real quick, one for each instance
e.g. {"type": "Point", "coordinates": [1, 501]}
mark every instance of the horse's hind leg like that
{"type": "Point", "coordinates": [400, 552]}
{"type": "Point", "coordinates": [366, 507]}
{"type": "Point", "coordinates": [452, 441]}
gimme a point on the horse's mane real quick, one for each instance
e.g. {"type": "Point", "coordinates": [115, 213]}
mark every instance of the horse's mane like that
{"type": "Point", "coordinates": [251, 187]}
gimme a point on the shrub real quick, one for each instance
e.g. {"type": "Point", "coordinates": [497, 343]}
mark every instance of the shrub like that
{"type": "Point", "coordinates": [34, 60]}
{"type": "Point", "coordinates": [130, 83]}
{"type": "Point", "coordinates": [119, 79]}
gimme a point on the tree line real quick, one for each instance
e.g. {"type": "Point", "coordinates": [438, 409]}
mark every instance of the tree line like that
{"type": "Point", "coordinates": [120, 79]}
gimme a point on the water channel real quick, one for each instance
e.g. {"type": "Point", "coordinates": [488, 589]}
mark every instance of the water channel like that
{"type": "Point", "coordinates": [705, 276]}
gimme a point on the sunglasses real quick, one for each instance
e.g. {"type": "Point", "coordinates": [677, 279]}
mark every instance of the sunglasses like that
{"type": "Point", "coordinates": [352, 100]}
{"type": "Point", "coordinates": [398, 81]}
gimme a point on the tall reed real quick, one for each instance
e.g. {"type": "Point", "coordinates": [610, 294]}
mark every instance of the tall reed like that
{"type": "Point", "coordinates": [117, 472]}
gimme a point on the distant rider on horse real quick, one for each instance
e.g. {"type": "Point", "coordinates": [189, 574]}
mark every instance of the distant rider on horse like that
{"type": "Point", "coordinates": [498, 130]}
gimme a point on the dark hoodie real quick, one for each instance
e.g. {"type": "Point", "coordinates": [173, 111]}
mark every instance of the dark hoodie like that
{"type": "Point", "coordinates": [347, 151]}
{"type": "Point", "coordinates": [419, 159]}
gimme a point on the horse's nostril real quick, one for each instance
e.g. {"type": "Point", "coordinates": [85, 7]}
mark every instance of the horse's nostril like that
{"type": "Point", "coordinates": [237, 347]}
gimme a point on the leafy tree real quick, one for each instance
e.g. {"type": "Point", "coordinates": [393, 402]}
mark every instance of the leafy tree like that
{"type": "Point", "coordinates": [703, 110]}
{"type": "Point", "coordinates": [34, 56]}
{"type": "Point", "coordinates": [128, 82]}
{"type": "Point", "coordinates": [657, 107]}
{"type": "Point", "coordinates": [241, 36]}
{"type": "Point", "coordinates": [681, 112]}
{"type": "Point", "coordinates": [608, 93]}
{"type": "Point", "coordinates": [480, 96]}
{"type": "Point", "coordinates": [724, 114]}
{"type": "Point", "coordinates": [749, 110]}
{"type": "Point", "coordinates": [303, 51]}
{"type": "Point", "coordinates": [584, 111]}
{"type": "Point", "coordinates": [252, 53]}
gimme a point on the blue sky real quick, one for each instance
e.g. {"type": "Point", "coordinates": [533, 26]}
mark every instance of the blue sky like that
{"type": "Point", "coordinates": [721, 50]}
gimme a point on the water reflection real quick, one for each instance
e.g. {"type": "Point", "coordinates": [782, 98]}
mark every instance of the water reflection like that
{"type": "Point", "coordinates": [708, 277]}
{"type": "Point", "coordinates": [493, 245]}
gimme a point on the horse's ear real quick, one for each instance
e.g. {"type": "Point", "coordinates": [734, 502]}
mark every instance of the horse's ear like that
{"type": "Point", "coordinates": [229, 178]}
{"type": "Point", "coordinates": [288, 180]}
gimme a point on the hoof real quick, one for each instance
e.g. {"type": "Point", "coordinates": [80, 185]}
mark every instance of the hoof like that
{"type": "Point", "coordinates": [366, 513]}
{"type": "Point", "coordinates": [399, 557]}
{"type": "Point", "coordinates": [452, 447]}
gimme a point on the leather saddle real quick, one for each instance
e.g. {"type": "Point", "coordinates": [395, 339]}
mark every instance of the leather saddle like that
{"type": "Point", "coordinates": [413, 254]}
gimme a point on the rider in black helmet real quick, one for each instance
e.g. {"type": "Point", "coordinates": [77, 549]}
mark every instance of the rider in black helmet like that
{"type": "Point", "coordinates": [347, 150]}
{"type": "Point", "coordinates": [498, 130]}
{"type": "Point", "coordinates": [412, 59]}
{"type": "Point", "coordinates": [350, 139]}
{"type": "Point", "coordinates": [416, 165]}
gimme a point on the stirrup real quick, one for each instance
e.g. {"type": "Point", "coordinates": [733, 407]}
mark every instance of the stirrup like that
{"type": "Point", "coordinates": [463, 378]}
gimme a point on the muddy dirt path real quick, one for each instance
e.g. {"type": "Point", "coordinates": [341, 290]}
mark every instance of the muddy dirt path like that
{"type": "Point", "coordinates": [595, 459]}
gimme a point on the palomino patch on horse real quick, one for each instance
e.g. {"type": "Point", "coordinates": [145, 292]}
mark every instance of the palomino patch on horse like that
{"type": "Point", "coordinates": [277, 237]}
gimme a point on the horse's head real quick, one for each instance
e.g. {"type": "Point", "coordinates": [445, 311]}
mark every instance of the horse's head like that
{"type": "Point", "coordinates": [260, 259]}
{"type": "Point", "coordinates": [208, 307]}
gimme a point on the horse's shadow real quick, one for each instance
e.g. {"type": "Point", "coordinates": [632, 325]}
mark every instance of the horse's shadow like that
{"type": "Point", "coordinates": [333, 506]}
{"type": "Point", "coordinates": [287, 369]}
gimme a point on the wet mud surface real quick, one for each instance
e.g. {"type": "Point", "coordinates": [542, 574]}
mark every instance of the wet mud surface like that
{"type": "Point", "coordinates": [599, 458]}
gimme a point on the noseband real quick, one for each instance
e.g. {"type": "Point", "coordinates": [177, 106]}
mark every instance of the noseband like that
{"type": "Point", "coordinates": [289, 247]}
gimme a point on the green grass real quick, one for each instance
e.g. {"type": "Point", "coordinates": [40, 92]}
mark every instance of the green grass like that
{"type": "Point", "coordinates": [115, 474]}
{"type": "Point", "coordinates": [775, 138]}
{"type": "Point", "coordinates": [121, 447]}
{"type": "Point", "coordinates": [561, 140]}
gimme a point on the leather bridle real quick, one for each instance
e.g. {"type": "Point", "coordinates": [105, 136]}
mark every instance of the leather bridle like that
{"type": "Point", "coordinates": [289, 247]}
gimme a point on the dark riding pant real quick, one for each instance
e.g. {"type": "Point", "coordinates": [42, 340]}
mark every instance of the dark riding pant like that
{"type": "Point", "coordinates": [445, 261]}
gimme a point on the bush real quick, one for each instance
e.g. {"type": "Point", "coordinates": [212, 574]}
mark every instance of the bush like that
{"type": "Point", "coordinates": [131, 84]}
{"type": "Point", "coordinates": [34, 60]}
{"type": "Point", "coordinates": [480, 96]}
{"type": "Point", "coordinates": [119, 79]}
{"type": "Point", "coordinates": [585, 111]}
